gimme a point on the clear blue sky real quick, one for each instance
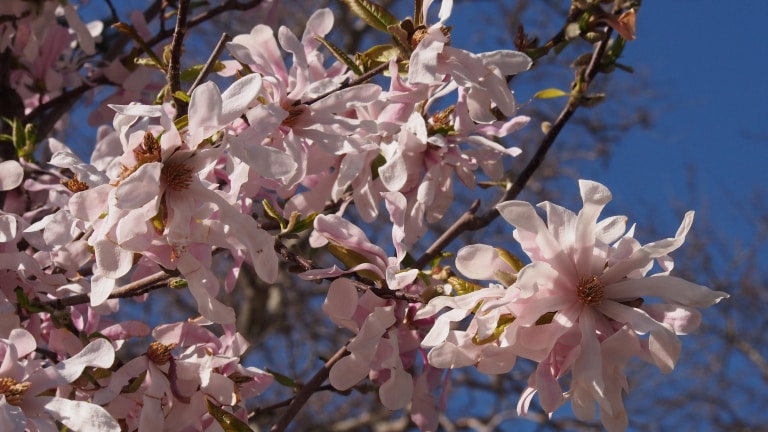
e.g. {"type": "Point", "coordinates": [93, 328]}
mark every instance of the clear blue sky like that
{"type": "Point", "coordinates": [707, 62]}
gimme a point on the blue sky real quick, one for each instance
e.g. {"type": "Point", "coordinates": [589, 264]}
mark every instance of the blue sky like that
{"type": "Point", "coordinates": [707, 64]}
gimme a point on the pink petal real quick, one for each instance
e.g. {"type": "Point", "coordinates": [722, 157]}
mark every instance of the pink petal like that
{"type": "Point", "coordinates": [683, 320]}
{"type": "Point", "coordinates": [80, 416]}
{"type": "Point", "coordinates": [481, 261]}
{"type": "Point", "coordinates": [201, 283]}
{"type": "Point", "coordinates": [670, 288]}
{"type": "Point", "coordinates": [112, 260]}
{"type": "Point", "coordinates": [222, 389]}
{"type": "Point", "coordinates": [341, 303]}
{"type": "Point", "coordinates": [396, 392]}
{"type": "Point", "coordinates": [140, 187]}
{"type": "Point", "coordinates": [12, 418]}
{"type": "Point", "coordinates": [11, 175]}
{"type": "Point", "coordinates": [348, 371]}
{"type": "Point", "coordinates": [237, 97]}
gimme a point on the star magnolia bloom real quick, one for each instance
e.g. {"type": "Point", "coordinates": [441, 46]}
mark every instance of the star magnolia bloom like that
{"type": "Point", "coordinates": [598, 290]}
{"type": "Point", "coordinates": [578, 307]}
{"type": "Point", "coordinates": [27, 401]}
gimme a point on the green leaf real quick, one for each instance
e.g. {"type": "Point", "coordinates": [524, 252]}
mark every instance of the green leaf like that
{"type": "Point", "coordinates": [504, 321]}
{"type": "Point", "coordinates": [379, 54]}
{"type": "Point", "coordinates": [373, 14]}
{"type": "Point", "coordinates": [282, 379]}
{"type": "Point", "coordinates": [550, 93]}
{"type": "Point", "coordinates": [181, 122]}
{"type": "Point", "coordinates": [461, 286]}
{"type": "Point", "coordinates": [303, 224]}
{"type": "Point", "coordinates": [191, 73]}
{"type": "Point", "coordinates": [510, 259]}
{"type": "Point", "coordinates": [228, 421]}
{"type": "Point", "coordinates": [274, 214]}
{"type": "Point", "coordinates": [180, 95]}
{"type": "Point", "coordinates": [340, 55]}
{"type": "Point", "coordinates": [351, 259]}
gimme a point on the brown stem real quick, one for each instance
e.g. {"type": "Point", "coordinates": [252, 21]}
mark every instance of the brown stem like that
{"type": "Point", "coordinates": [307, 390]}
{"type": "Point", "coordinates": [208, 67]}
{"type": "Point", "coordinates": [357, 81]}
{"type": "Point", "coordinates": [133, 289]}
{"type": "Point", "coordinates": [174, 67]}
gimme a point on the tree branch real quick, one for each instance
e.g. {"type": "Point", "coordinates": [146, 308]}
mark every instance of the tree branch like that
{"type": "Point", "coordinates": [174, 73]}
{"type": "Point", "coordinates": [307, 390]}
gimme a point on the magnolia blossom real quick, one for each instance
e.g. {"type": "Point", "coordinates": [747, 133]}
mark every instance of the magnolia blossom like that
{"type": "Point", "coordinates": [174, 390]}
{"type": "Point", "coordinates": [582, 297]}
{"type": "Point", "coordinates": [25, 382]}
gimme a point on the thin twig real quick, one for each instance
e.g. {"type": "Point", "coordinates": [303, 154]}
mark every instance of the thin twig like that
{"type": "Point", "coordinates": [347, 84]}
{"type": "Point", "coordinates": [308, 390]}
{"type": "Point", "coordinates": [133, 289]}
{"type": "Point", "coordinates": [174, 67]}
{"type": "Point", "coordinates": [208, 67]}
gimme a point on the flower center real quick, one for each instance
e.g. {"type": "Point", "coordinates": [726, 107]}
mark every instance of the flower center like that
{"type": "Point", "coordinates": [294, 114]}
{"type": "Point", "coordinates": [590, 290]}
{"type": "Point", "coordinates": [177, 176]}
{"type": "Point", "coordinates": [74, 184]}
{"type": "Point", "coordinates": [13, 391]}
{"type": "Point", "coordinates": [159, 353]}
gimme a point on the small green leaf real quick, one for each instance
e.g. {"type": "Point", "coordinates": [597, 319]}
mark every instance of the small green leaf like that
{"type": "Point", "coordinates": [304, 224]}
{"type": "Point", "coordinates": [504, 321]}
{"type": "Point", "coordinates": [379, 54]}
{"type": "Point", "coordinates": [340, 55]}
{"type": "Point", "coordinates": [274, 214]}
{"type": "Point", "coordinates": [510, 259]}
{"type": "Point", "coordinates": [191, 73]}
{"type": "Point", "coordinates": [182, 96]}
{"type": "Point", "coordinates": [550, 93]}
{"type": "Point", "coordinates": [351, 259]}
{"type": "Point", "coordinates": [283, 379]}
{"type": "Point", "coordinates": [373, 14]}
{"type": "Point", "coordinates": [461, 286]}
{"type": "Point", "coordinates": [401, 39]}
{"type": "Point", "coordinates": [178, 283]}
{"type": "Point", "coordinates": [181, 122]}
{"type": "Point", "coordinates": [228, 421]}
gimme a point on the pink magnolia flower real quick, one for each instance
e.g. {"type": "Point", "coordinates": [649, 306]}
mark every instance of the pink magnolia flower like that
{"type": "Point", "coordinates": [26, 400]}
{"type": "Point", "coordinates": [482, 75]}
{"type": "Point", "coordinates": [175, 389]}
{"type": "Point", "coordinates": [583, 297]}
{"type": "Point", "coordinates": [386, 339]}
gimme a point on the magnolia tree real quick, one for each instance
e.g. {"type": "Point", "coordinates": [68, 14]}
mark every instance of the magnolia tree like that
{"type": "Point", "coordinates": [281, 147]}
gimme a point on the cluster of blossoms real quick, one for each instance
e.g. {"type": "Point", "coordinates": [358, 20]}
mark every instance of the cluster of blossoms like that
{"type": "Point", "coordinates": [168, 188]}
{"type": "Point", "coordinates": [578, 308]}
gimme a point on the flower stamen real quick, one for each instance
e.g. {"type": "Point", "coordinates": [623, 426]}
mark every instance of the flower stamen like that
{"type": "Point", "coordinates": [177, 176]}
{"type": "Point", "coordinates": [13, 391]}
{"type": "Point", "coordinates": [590, 290]}
{"type": "Point", "coordinates": [159, 353]}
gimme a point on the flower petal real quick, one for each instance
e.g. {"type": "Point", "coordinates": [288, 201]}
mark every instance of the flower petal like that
{"type": "Point", "coordinates": [80, 416]}
{"type": "Point", "coordinates": [11, 175]}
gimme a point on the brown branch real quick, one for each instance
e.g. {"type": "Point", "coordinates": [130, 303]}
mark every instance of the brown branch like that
{"type": "Point", "coordinates": [307, 265]}
{"type": "Point", "coordinates": [308, 390]}
{"type": "Point", "coordinates": [133, 289]}
{"type": "Point", "coordinates": [174, 68]}
{"type": "Point", "coordinates": [347, 84]}
{"type": "Point", "coordinates": [208, 67]}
